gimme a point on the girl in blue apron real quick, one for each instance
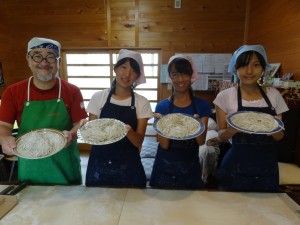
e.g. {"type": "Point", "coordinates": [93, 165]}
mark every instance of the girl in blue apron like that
{"type": "Point", "coordinates": [177, 166]}
{"type": "Point", "coordinates": [119, 164]}
{"type": "Point", "coordinates": [251, 163]}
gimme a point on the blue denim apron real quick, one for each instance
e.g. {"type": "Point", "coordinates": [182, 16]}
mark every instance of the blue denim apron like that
{"type": "Point", "coordinates": [178, 166]}
{"type": "Point", "coordinates": [117, 164]}
{"type": "Point", "coordinates": [251, 163]}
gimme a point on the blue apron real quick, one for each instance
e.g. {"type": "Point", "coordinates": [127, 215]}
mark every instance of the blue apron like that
{"type": "Point", "coordinates": [119, 163]}
{"type": "Point", "coordinates": [251, 163]}
{"type": "Point", "coordinates": [178, 166]}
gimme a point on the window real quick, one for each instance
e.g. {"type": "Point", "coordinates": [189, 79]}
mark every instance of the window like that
{"type": "Point", "coordinates": [92, 71]}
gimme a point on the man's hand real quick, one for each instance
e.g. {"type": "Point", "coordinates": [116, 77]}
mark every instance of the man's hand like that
{"type": "Point", "coordinates": [68, 136]}
{"type": "Point", "coordinates": [8, 144]}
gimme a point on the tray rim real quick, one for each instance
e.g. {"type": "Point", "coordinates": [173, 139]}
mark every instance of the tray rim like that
{"type": "Point", "coordinates": [279, 122]}
{"type": "Point", "coordinates": [36, 130]}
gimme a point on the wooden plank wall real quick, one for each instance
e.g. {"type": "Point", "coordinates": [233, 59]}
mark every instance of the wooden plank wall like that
{"type": "Point", "coordinates": [206, 26]}
{"type": "Point", "coordinates": [200, 26]}
{"type": "Point", "coordinates": [275, 24]}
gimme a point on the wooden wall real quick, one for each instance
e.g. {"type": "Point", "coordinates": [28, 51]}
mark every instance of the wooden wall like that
{"type": "Point", "coordinates": [275, 24]}
{"type": "Point", "coordinates": [200, 26]}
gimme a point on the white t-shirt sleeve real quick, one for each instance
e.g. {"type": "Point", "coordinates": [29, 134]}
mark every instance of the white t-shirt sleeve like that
{"type": "Point", "coordinates": [277, 100]}
{"type": "Point", "coordinates": [143, 108]}
{"type": "Point", "coordinates": [227, 100]}
{"type": "Point", "coordinates": [97, 102]}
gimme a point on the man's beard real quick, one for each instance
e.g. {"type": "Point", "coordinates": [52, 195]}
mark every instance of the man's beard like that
{"type": "Point", "coordinates": [49, 76]}
{"type": "Point", "coordinates": [45, 77]}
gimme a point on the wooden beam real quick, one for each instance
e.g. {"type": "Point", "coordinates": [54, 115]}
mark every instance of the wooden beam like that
{"type": "Point", "coordinates": [137, 40]}
{"type": "Point", "coordinates": [108, 22]}
{"type": "Point", "coordinates": [247, 17]}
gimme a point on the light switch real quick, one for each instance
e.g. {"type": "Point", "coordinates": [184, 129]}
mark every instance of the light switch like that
{"type": "Point", "coordinates": [177, 4]}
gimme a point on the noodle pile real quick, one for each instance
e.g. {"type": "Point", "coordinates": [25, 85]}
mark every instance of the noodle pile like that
{"type": "Point", "coordinates": [178, 125]}
{"type": "Point", "coordinates": [103, 131]}
{"type": "Point", "coordinates": [255, 122]}
{"type": "Point", "coordinates": [40, 143]}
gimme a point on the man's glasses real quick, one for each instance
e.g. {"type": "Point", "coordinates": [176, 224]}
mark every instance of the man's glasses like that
{"type": "Point", "coordinates": [177, 75]}
{"type": "Point", "coordinates": [38, 58]}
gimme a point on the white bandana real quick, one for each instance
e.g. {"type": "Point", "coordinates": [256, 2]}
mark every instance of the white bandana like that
{"type": "Point", "coordinates": [38, 42]}
{"type": "Point", "coordinates": [124, 53]}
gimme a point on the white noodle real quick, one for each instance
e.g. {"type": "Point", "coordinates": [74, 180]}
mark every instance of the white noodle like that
{"type": "Point", "coordinates": [41, 143]}
{"type": "Point", "coordinates": [178, 125]}
{"type": "Point", "coordinates": [255, 122]}
{"type": "Point", "coordinates": [103, 131]}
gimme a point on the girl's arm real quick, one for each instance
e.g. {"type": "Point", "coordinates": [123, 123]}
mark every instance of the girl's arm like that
{"type": "Point", "coordinates": [224, 132]}
{"type": "Point", "coordinates": [137, 137]}
{"type": "Point", "coordinates": [201, 138]}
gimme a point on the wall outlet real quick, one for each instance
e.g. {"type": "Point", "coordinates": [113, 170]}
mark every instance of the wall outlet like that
{"type": "Point", "coordinates": [177, 4]}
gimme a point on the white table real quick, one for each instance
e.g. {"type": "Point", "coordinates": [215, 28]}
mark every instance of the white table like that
{"type": "Point", "coordinates": [64, 205]}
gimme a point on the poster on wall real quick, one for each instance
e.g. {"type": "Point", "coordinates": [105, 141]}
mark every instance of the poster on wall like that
{"type": "Point", "coordinates": [1, 76]}
{"type": "Point", "coordinates": [210, 67]}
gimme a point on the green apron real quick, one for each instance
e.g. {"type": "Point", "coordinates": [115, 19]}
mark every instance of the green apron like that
{"type": "Point", "coordinates": [60, 168]}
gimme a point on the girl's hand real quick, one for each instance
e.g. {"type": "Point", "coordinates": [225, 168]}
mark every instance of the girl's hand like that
{"type": "Point", "coordinates": [213, 142]}
{"type": "Point", "coordinates": [157, 115]}
{"type": "Point", "coordinates": [196, 116]}
{"type": "Point", "coordinates": [82, 122]}
{"type": "Point", "coordinates": [128, 127]}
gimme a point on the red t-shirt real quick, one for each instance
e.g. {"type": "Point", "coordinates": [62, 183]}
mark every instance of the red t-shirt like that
{"type": "Point", "coordinates": [15, 95]}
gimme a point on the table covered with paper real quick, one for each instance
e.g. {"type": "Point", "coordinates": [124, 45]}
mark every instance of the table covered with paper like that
{"type": "Point", "coordinates": [121, 206]}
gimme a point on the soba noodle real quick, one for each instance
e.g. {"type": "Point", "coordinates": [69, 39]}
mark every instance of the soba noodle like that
{"type": "Point", "coordinates": [178, 125]}
{"type": "Point", "coordinates": [103, 131]}
{"type": "Point", "coordinates": [40, 143]}
{"type": "Point", "coordinates": [255, 122]}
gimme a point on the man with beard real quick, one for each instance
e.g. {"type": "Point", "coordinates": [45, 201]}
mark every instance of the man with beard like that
{"type": "Point", "coordinates": [44, 101]}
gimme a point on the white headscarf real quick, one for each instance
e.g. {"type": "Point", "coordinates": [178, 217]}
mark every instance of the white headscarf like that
{"type": "Point", "coordinates": [257, 48]}
{"type": "Point", "coordinates": [38, 42]}
{"type": "Point", "coordinates": [124, 53]}
{"type": "Point", "coordinates": [195, 75]}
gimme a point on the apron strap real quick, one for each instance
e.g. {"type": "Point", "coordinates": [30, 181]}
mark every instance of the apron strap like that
{"type": "Point", "coordinates": [239, 98]}
{"type": "Point", "coordinates": [59, 89]}
{"type": "Point", "coordinates": [28, 90]}
{"type": "Point", "coordinates": [132, 99]}
{"type": "Point", "coordinates": [266, 98]}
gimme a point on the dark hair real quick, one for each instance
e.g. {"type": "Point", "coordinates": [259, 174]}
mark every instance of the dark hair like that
{"type": "Point", "coordinates": [134, 65]}
{"type": "Point", "coordinates": [245, 58]}
{"type": "Point", "coordinates": [181, 65]}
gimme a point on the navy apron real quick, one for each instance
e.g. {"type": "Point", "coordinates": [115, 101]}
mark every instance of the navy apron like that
{"type": "Point", "coordinates": [251, 163]}
{"type": "Point", "coordinates": [119, 163]}
{"type": "Point", "coordinates": [178, 166]}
